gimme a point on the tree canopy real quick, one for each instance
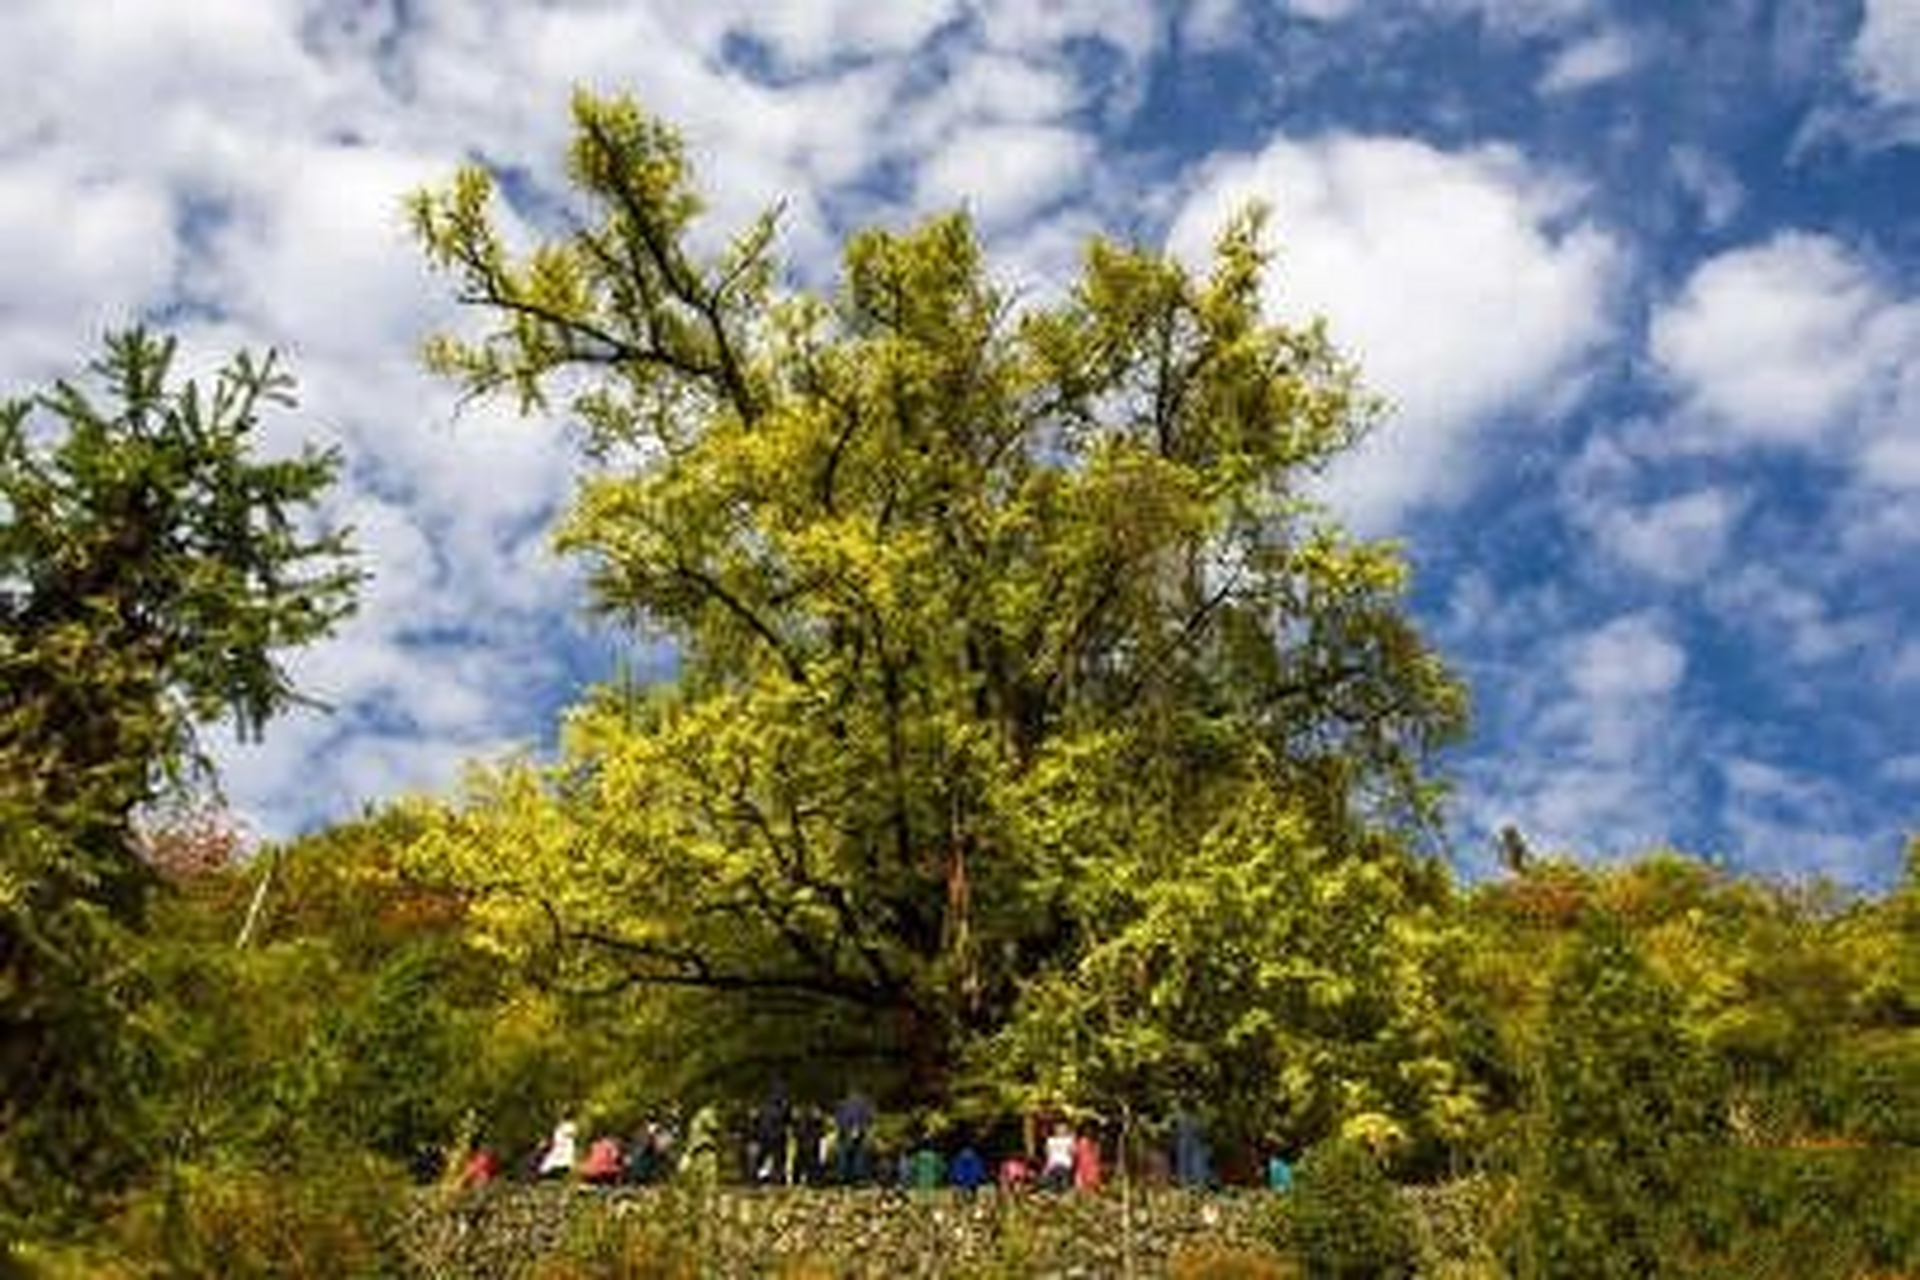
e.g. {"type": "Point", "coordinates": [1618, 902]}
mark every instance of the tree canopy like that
{"type": "Point", "coordinates": [994, 616]}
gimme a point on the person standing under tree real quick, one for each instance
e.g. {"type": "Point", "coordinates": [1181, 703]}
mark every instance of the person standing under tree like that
{"type": "Point", "coordinates": [853, 1128]}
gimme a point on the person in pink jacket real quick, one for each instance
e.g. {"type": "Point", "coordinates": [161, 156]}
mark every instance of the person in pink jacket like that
{"type": "Point", "coordinates": [1086, 1163]}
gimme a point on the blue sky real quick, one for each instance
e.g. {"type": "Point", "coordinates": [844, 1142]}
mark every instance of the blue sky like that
{"type": "Point", "coordinates": [1641, 281]}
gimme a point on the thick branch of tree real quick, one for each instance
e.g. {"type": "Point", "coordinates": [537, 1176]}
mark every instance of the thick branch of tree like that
{"type": "Point", "coordinates": [630, 270]}
{"type": "Point", "coordinates": [1192, 627]}
{"type": "Point", "coordinates": [829, 473]}
{"type": "Point", "coordinates": [834, 895]}
{"type": "Point", "coordinates": [1083, 625]}
{"type": "Point", "coordinates": [613, 349]}
{"type": "Point", "coordinates": [754, 622]}
{"type": "Point", "coordinates": [685, 967]}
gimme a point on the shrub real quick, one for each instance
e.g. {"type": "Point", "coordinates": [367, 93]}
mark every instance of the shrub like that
{"type": "Point", "coordinates": [1756, 1213]}
{"type": "Point", "coordinates": [1347, 1218]}
{"type": "Point", "coordinates": [1221, 1262]}
{"type": "Point", "coordinates": [1621, 1115]}
{"type": "Point", "coordinates": [67, 1260]}
{"type": "Point", "coordinates": [341, 1219]}
{"type": "Point", "coordinates": [1875, 1088]}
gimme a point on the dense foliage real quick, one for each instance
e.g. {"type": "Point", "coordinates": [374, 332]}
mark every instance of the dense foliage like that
{"type": "Point", "coordinates": [1347, 1221]}
{"type": "Point", "coordinates": [1623, 1113]}
{"type": "Point", "coordinates": [1013, 662]}
{"type": "Point", "coordinates": [152, 572]}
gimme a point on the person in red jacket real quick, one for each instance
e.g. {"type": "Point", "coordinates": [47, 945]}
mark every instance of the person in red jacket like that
{"type": "Point", "coordinates": [481, 1168]}
{"type": "Point", "coordinates": [604, 1163]}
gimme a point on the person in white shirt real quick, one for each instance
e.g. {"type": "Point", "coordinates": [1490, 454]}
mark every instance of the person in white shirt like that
{"type": "Point", "coordinates": [557, 1160]}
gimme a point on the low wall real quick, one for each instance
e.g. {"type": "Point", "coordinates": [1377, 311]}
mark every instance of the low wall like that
{"type": "Point", "coordinates": [505, 1230]}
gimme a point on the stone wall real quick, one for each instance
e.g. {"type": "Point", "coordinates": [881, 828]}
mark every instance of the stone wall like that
{"type": "Point", "coordinates": [505, 1231]}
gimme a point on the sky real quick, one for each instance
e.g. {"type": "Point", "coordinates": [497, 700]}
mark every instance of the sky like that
{"type": "Point", "coordinates": [1641, 283]}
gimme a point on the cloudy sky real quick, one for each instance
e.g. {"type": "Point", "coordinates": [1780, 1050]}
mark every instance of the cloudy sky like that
{"type": "Point", "coordinates": [1642, 282]}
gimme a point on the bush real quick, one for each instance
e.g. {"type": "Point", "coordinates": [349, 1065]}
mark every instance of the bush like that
{"type": "Point", "coordinates": [1347, 1219]}
{"type": "Point", "coordinates": [1220, 1262]}
{"type": "Point", "coordinates": [341, 1220]}
{"type": "Point", "coordinates": [1755, 1213]}
{"type": "Point", "coordinates": [1872, 1088]}
{"type": "Point", "coordinates": [1455, 1225]}
{"type": "Point", "coordinates": [1621, 1114]}
{"type": "Point", "coordinates": [67, 1260]}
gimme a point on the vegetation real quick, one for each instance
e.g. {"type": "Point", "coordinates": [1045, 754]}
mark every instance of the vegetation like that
{"type": "Point", "coordinates": [1036, 747]}
{"type": "Point", "coordinates": [152, 571]}
{"type": "Point", "coordinates": [1622, 1113]}
{"type": "Point", "coordinates": [1347, 1222]}
{"type": "Point", "coordinates": [1016, 672]}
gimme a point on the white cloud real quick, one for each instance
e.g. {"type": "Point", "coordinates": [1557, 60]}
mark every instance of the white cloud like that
{"type": "Point", "coordinates": [1772, 343]}
{"type": "Point", "coordinates": [1889, 459]}
{"type": "Point", "coordinates": [1212, 25]}
{"type": "Point", "coordinates": [1676, 540]}
{"type": "Point", "coordinates": [80, 254]}
{"type": "Point", "coordinates": [1004, 174]}
{"type": "Point", "coordinates": [1321, 10]}
{"type": "Point", "coordinates": [996, 87]}
{"type": "Point", "coordinates": [68, 239]}
{"type": "Point", "coordinates": [1904, 666]}
{"type": "Point", "coordinates": [121, 63]}
{"type": "Point", "coordinates": [1133, 27]}
{"type": "Point", "coordinates": [1594, 59]}
{"type": "Point", "coordinates": [1673, 538]}
{"type": "Point", "coordinates": [319, 250]}
{"type": "Point", "coordinates": [1716, 192]}
{"type": "Point", "coordinates": [1607, 754]}
{"type": "Point", "coordinates": [1591, 766]}
{"type": "Point", "coordinates": [1791, 614]}
{"type": "Point", "coordinates": [803, 35]}
{"type": "Point", "coordinates": [1426, 263]}
{"type": "Point", "coordinates": [1797, 344]}
{"type": "Point", "coordinates": [1886, 52]}
{"type": "Point", "coordinates": [1785, 821]}
{"type": "Point", "coordinates": [1522, 18]}
{"type": "Point", "coordinates": [1628, 660]}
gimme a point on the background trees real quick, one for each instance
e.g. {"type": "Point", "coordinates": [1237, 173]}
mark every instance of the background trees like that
{"type": "Point", "coordinates": [991, 619]}
{"type": "Point", "coordinates": [1624, 1110]}
{"type": "Point", "coordinates": [152, 571]}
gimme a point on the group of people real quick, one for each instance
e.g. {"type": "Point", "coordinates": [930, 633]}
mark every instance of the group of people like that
{"type": "Point", "coordinates": [647, 1157]}
{"type": "Point", "coordinates": [781, 1144]}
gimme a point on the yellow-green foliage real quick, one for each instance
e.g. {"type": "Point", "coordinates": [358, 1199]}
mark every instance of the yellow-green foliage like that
{"type": "Point", "coordinates": [992, 623]}
{"type": "Point", "coordinates": [1218, 1262]}
{"type": "Point", "coordinates": [1624, 1109]}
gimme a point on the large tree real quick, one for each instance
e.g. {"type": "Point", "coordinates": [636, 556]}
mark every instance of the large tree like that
{"type": "Point", "coordinates": [991, 613]}
{"type": "Point", "coordinates": [152, 571]}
